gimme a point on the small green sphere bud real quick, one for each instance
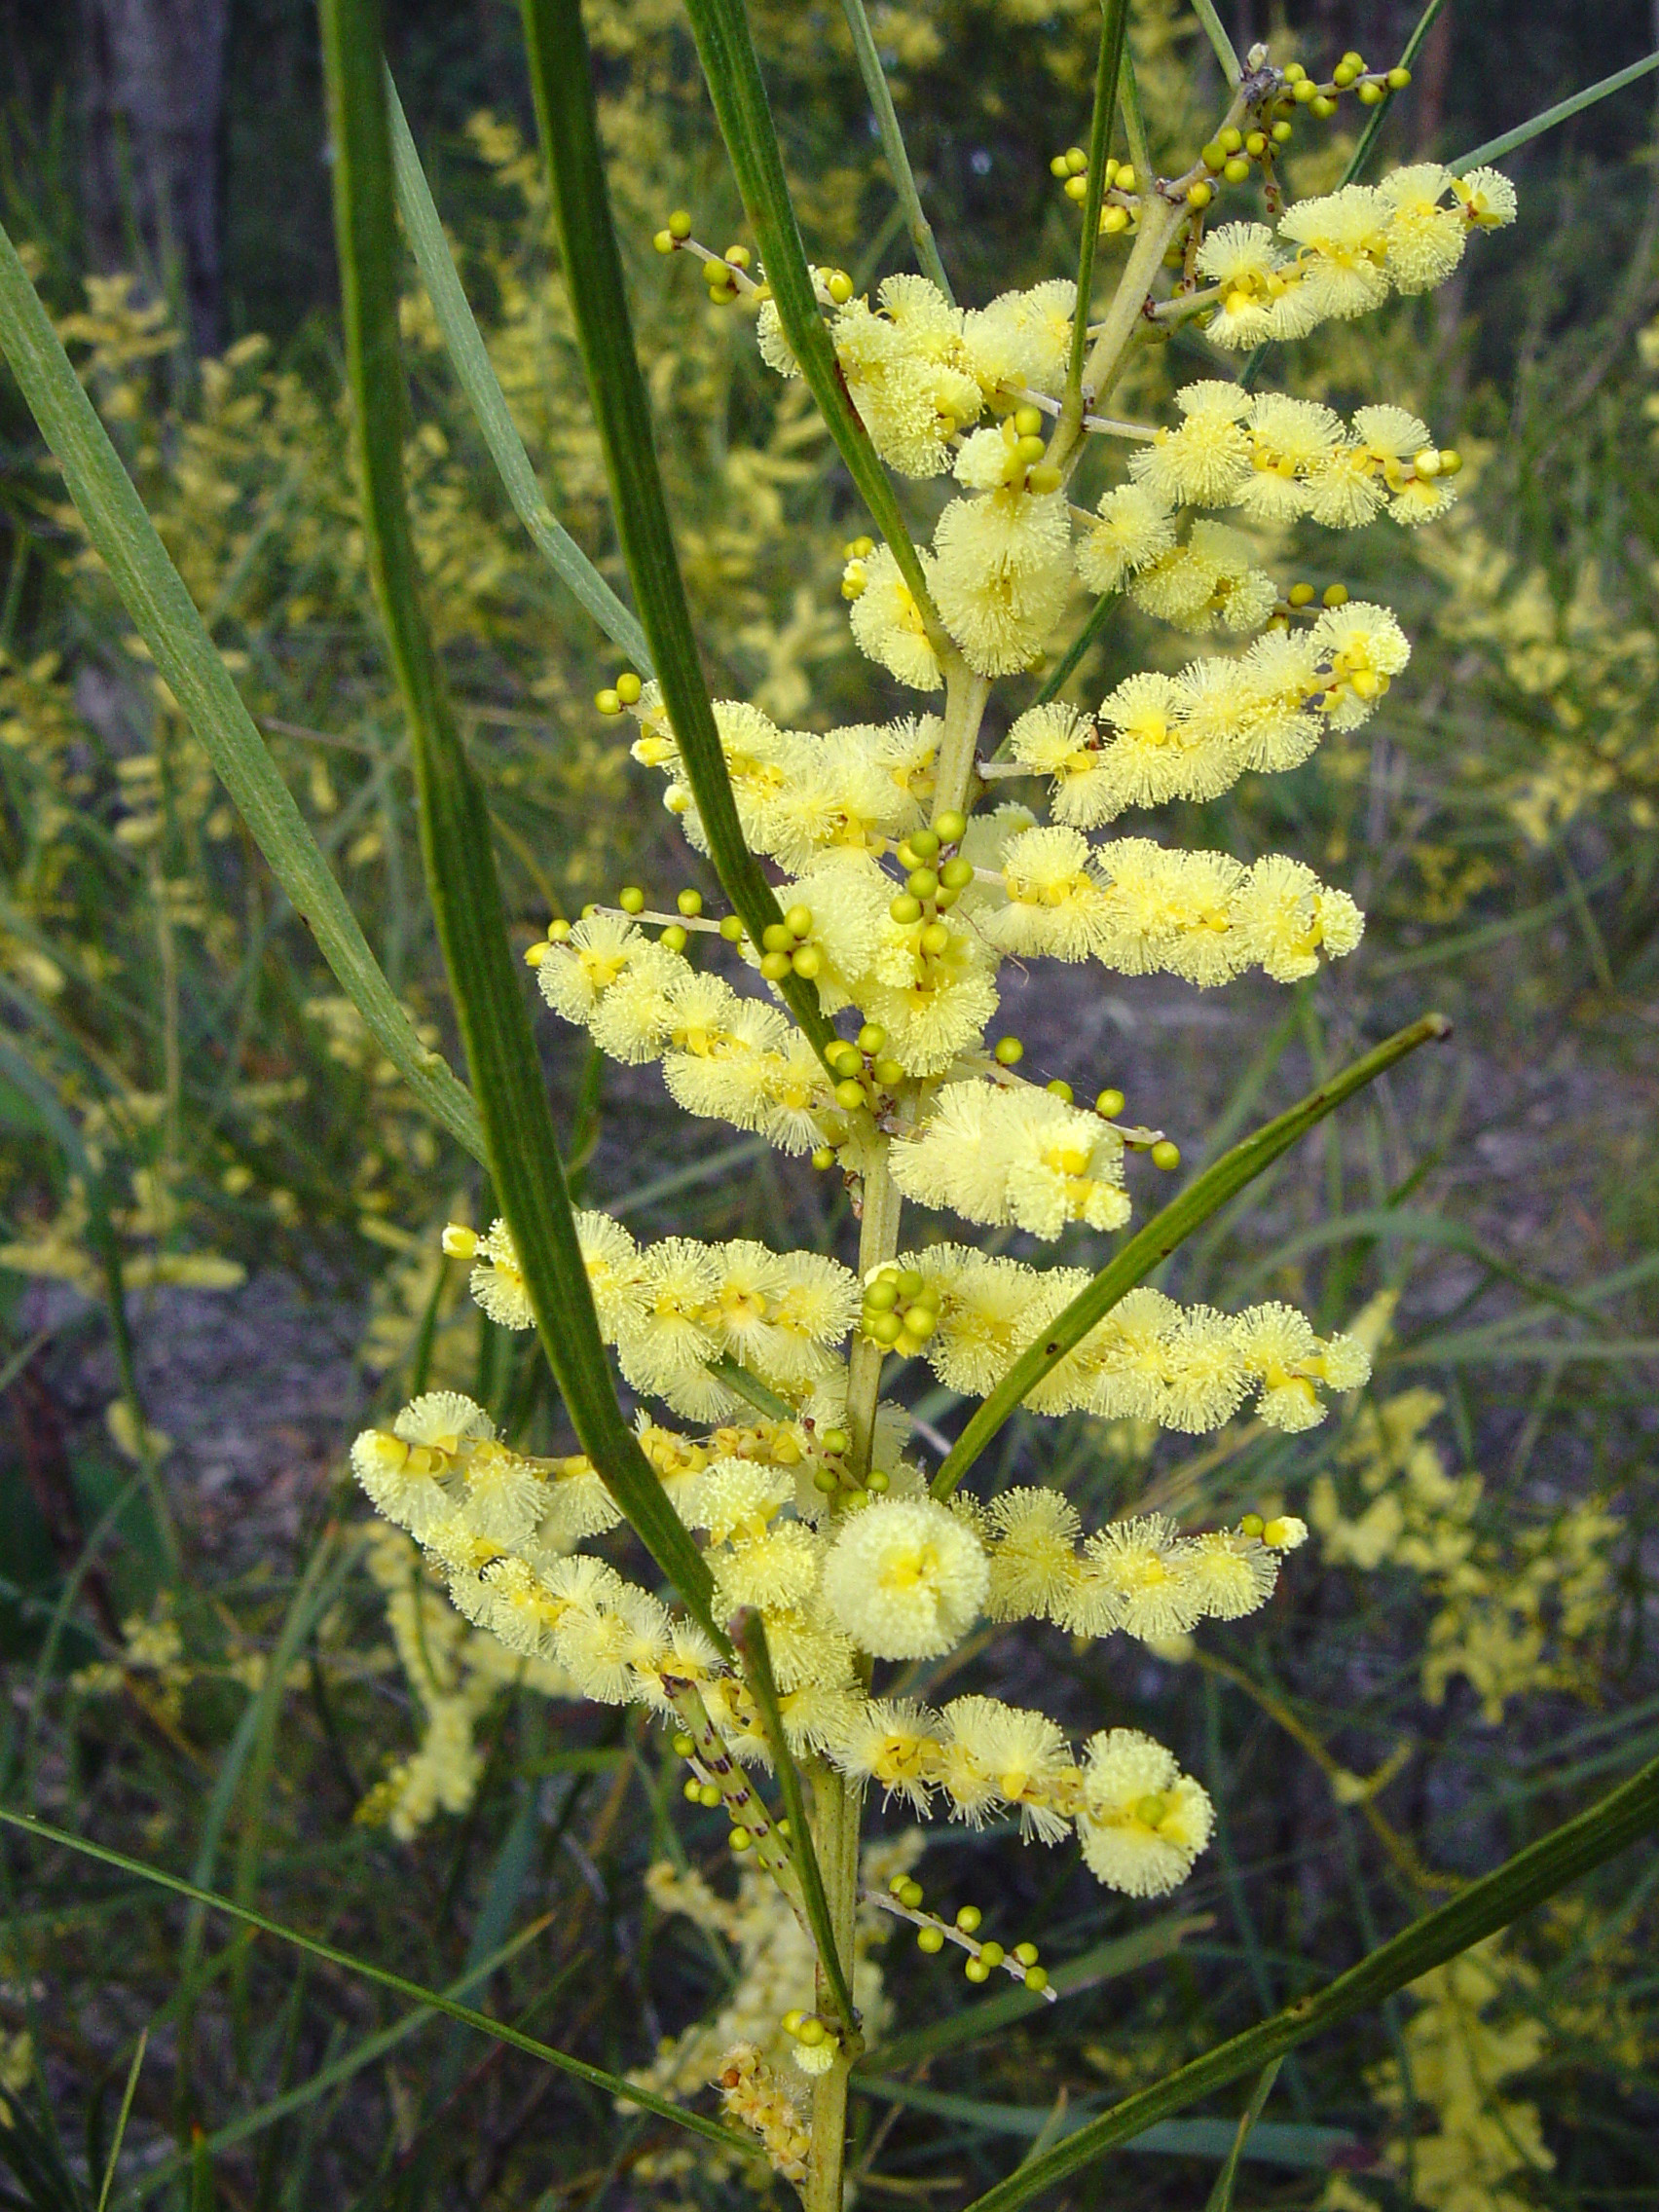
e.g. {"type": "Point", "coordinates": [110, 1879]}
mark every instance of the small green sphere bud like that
{"type": "Point", "coordinates": [628, 689]}
{"type": "Point", "coordinates": [775, 938]}
{"type": "Point", "coordinates": [824, 1159]}
{"type": "Point", "coordinates": [1398, 80]}
{"type": "Point", "coordinates": [792, 2020]}
{"type": "Point", "coordinates": [1077, 161]}
{"type": "Point", "coordinates": [976, 1970]}
{"type": "Point", "coordinates": [882, 1294]}
{"type": "Point", "coordinates": [1110, 1103]}
{"type": "Point", "coordinates": [1229, 140]}
{"type": "Point", "coordinates": [840, 287]}
{"type": "Point", "coordinates": [682, 1746]}
{"type": "Point", "coordinates": [673, 937]}
{"type": "Point", "coordinates": [931, 1296]}
{"type": "Point", "coordinates": [808, 961]}
{"type": "Point", "coordinates": [849, 1095]}
{"type": "Point", "coordinates": [1252, 1524]}
{"type": "Point", "coordinates": [1077, 188]}
{"type": "Point", "coordinates": [799, 921]}
{"type": "Point", "coordinates": [825, 1480]}
{"type": "Point", "coordinates": [664, 241]}
{"type": "Point", "coordinates": [1007, 1052]}
{"type": "Point", "coordinates": [871, 1037]}
{"type": "Point", "coordinates": [1028, 450]}
{"type": "Point", "coordinates": [1200, 195]}
{"type": "Point", "coordinates": [680, 224]}
{"type": "Point", "coordinates": [741, 1840]}
{"type": "Point", "coordinates": [920, 1324]}
{"type": "Point", "coordinates": [888, 1073]}
{"type": "Point", "coordinates": [1325, 106]}
{"type": "Point", "coordinates": [1299, 595]}
{"type": "Point", "coordinates": [1165, 1153]}
{"type": "Point", "coordinates": [1306, 92]}
{"type": "Point", "coordinates": [885, 1328]}
{"type": "Point", "coordinates": [1451, 460]}
{"type": "Point", "coordinates": [1043, 479]}
{"type": "Point", "coordinates": [992, 1954]}
{"type": "Point", "coordinates": [930, 1939]}
{"type": "Point", "coordinates": [1214, 155]}
{"type": "Point", "coordinates": [1026, 1954]}
{"type": "Point", "coordinates": [924, 843]}
{"type": "Point", "coordinates": [878, 1481]}
{"type": "Point", "coordinates": [1027, 421]}
{"type": "Point", "coordinates": [1238, 169]}
{"type": "Point", "coordinates": [909, 1891]}
{"type": "Point", "coordinates": [631, 899]}
{"type": "Point", "coordinates": [836, 1440]}
{"type": "Point", "coordinates": [845, 1059]}
{"type": "Point", "coordinates": [1255, 144]}
{"type": "Point", "coordinates": [774, 966]}
{"type": "Point", "coordinates": [910, 1284]}
{"type": "Point", "coordinates": [904, 908]}
{"type": "Point", "coordinates": [1059, 1089]}
{"type": "Point", "coordinates": [608, 701]}
{"type": "Point", "coordinates": [693, 1792]}
{"type": "Point", "coordinates": [1370, 93]}
{"type": "Point", "coordinates": [1336, 594]}
{"type": "Point", "coordinates": [922, 883]}
{"type": "Point", "coordinates": [1127, 178]}
{"type": "Point", "coordinates": [936, 938]}
{"type": "Point", "coordinates": [689, 902]}
{"type": "Point", "coordinates": [951, 824]}
{"type": "Point", "coordinates": [1036, 1979]}
{"type": "Point", "coordinates": [731, 929]}
{"type": "Point", "coordinates": [957, 873]}
{"type": "Point", "coordinates": [969, 1919]}
{"type": "Point", "coordinates": [1282, 135]}
{"type": "Point", "coordinates": [811, 2031]}
{"type": "Point", "coordinates": [1058, 166]}
{"type": "Point", "coordinates": [708, 1795]}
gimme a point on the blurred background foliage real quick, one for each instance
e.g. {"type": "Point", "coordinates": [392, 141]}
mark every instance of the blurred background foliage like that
{"type": "Point", "coordinates": [218, 1213]}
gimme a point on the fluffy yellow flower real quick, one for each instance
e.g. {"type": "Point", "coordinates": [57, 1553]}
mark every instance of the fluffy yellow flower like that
{"type": "Point", "coordinates": [905, 1578]}
{"type": "Point", "coordinates": [1143, 1821]}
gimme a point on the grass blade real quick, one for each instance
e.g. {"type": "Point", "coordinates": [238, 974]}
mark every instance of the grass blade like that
{"type": "Point", "coordinates": [470, 361]}
{"type": "Point", "coordinates": [1523, 133]}
{"type": "Point", "coordinates": [522, 1151]}
{"type": "Point", "coordinates": [893, 146]}
{"type": "Point", "coordinates": [121, 2118]}
{"type": "Point", "coordinates": [1622, 1818]}
{"type": "Point", "coordinates": [732, 70]}
{"type": "Point", "coordinates": [1368, 137]}
{"type": "Point", "coordinates": [750, 1641]}
{"type": "Point", "coordinates": [165, 617]}
{"type": "Point", "coordinates": [434, 2000]}
{"type": "Point", "coordinates": [1221, 2195]}
{"type": "Point", "coordinates": [1160, 1236]}
{"type": "Point", "coordinates": [562, 78]}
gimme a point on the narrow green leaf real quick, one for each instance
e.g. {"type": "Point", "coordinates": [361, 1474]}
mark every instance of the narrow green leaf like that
{"type": "Point", "coordinates": [893, 146]}
{"type": "Point", "coordinates": [561, 80]}
{"type": "Point", "coordinates": [1284, 2143]}
{"type": "Point", "coordinates": [1523, 133]}
{"type": "Point", "coordinates": [121, 2118]}
{"type": "Point", "coordinates": [1368, 137]}
{"type": "Point", "coordinates": [1622, 1818]}
{"type": "Point", "coordinates": [732, 70]}
{"type": "Point", "coordinates": [1100, 614]}
{"type": "Point", "coordinates": [165, 617]}
{"type": "Point", "coordinates": [470, 361]}
{"type": "Point", "coordinates": [1134, 120]}
{"type": "Point", "coordinates": [521, 1149]}
{"type": "Point", "coordinates": [751, 1640]}
{"type": "Point", "coordinates": [1113, 19]}
{"type": "Point", "coordinates": [1160, 1236]}
{"type": "Point", "coordinates": [432, 2000]}
{"type": "Point", "coordinates": [1221, 2195]}
{"type": "Point", "coordinates": [1204, 10]}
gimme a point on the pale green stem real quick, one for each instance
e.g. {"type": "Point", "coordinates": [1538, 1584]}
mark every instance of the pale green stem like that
{"type": "Point", "coordinates": [964, 697]}
{"type": "Point", "coordinates": [893, 146]}
{"type": "Point", "coordinates": [836, 1819]}
{"type": "Point", "coordinates": [878, 1241]}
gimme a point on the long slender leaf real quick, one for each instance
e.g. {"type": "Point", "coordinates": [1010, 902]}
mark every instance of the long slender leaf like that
{"type": "Point", "coordinates": [470, 361]}
{"type": "Point", "coordinates": [1114, 22]}
{"type": "Point", "coordinates": [1523, 133]}
{"type": "Point", "coordinates": [1221, 2195]}
{"type": "Point", "coordinates": [1622, 1818]}
{"type": "Point", "coordinates": [1368, 137]}
{"type": "Point", "coordinates": [1224, 53]}
{"type": "Point", "coordinates": [893, 145]}
{"type": "Point", "coordinates": [732, 70]}
{"type": "Point", "coordinates": [1160, 1236]}
{"type": "Point", "coordinates": [562, 79]}
{"type": "Point", "coordinates": [522, 1151]}
{"type": "Point", "coordinates": [432, 2000]}
{"type": "Point", "coordinates": [751, 1640]}
{"type": "Point", "coordinates": [165, 617]}
{"type": "Point", "coordinates": [1284, 2143]}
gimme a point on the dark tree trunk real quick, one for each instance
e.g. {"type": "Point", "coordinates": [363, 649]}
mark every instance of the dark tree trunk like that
{"type": "Point", "coordinates": [152, 87]}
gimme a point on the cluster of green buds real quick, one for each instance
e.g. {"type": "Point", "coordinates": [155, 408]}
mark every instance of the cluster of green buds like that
{"type": "Point", "coordinates": [785, 950]}
{"type": "Point", "coordinates": [1163, 1152]}
{"type": "Point", "coordinates": [903, 1898]}
{"type": "Point", "coordinates": [726, 275]}
{"type": "Point", "coordinates": [854, 576]}
{"type": "Point", "coordinates": [901, 1309]}
{"type": "Point", "coordinates": [1371, 87]}
{"type": "Point", "coordinates": [1025, 468]}
{"type": "Point", "coordinates": [1122, 188]}
{"type": "Point", "coordinates": [701, 1788]}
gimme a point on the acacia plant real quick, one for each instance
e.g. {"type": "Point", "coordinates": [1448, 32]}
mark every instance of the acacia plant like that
{"type": "Point", "coordinates": [875, 876]}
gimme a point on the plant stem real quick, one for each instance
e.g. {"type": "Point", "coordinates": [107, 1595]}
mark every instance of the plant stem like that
{"type": "Point", "coordinates": [838, 1807]}
{"type": "Point", "coordinates": [1158, 219]}
{"type": "Point", "coordinates": [964, 697]}
{"type": "Point", "coordinates": [893, 146]}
